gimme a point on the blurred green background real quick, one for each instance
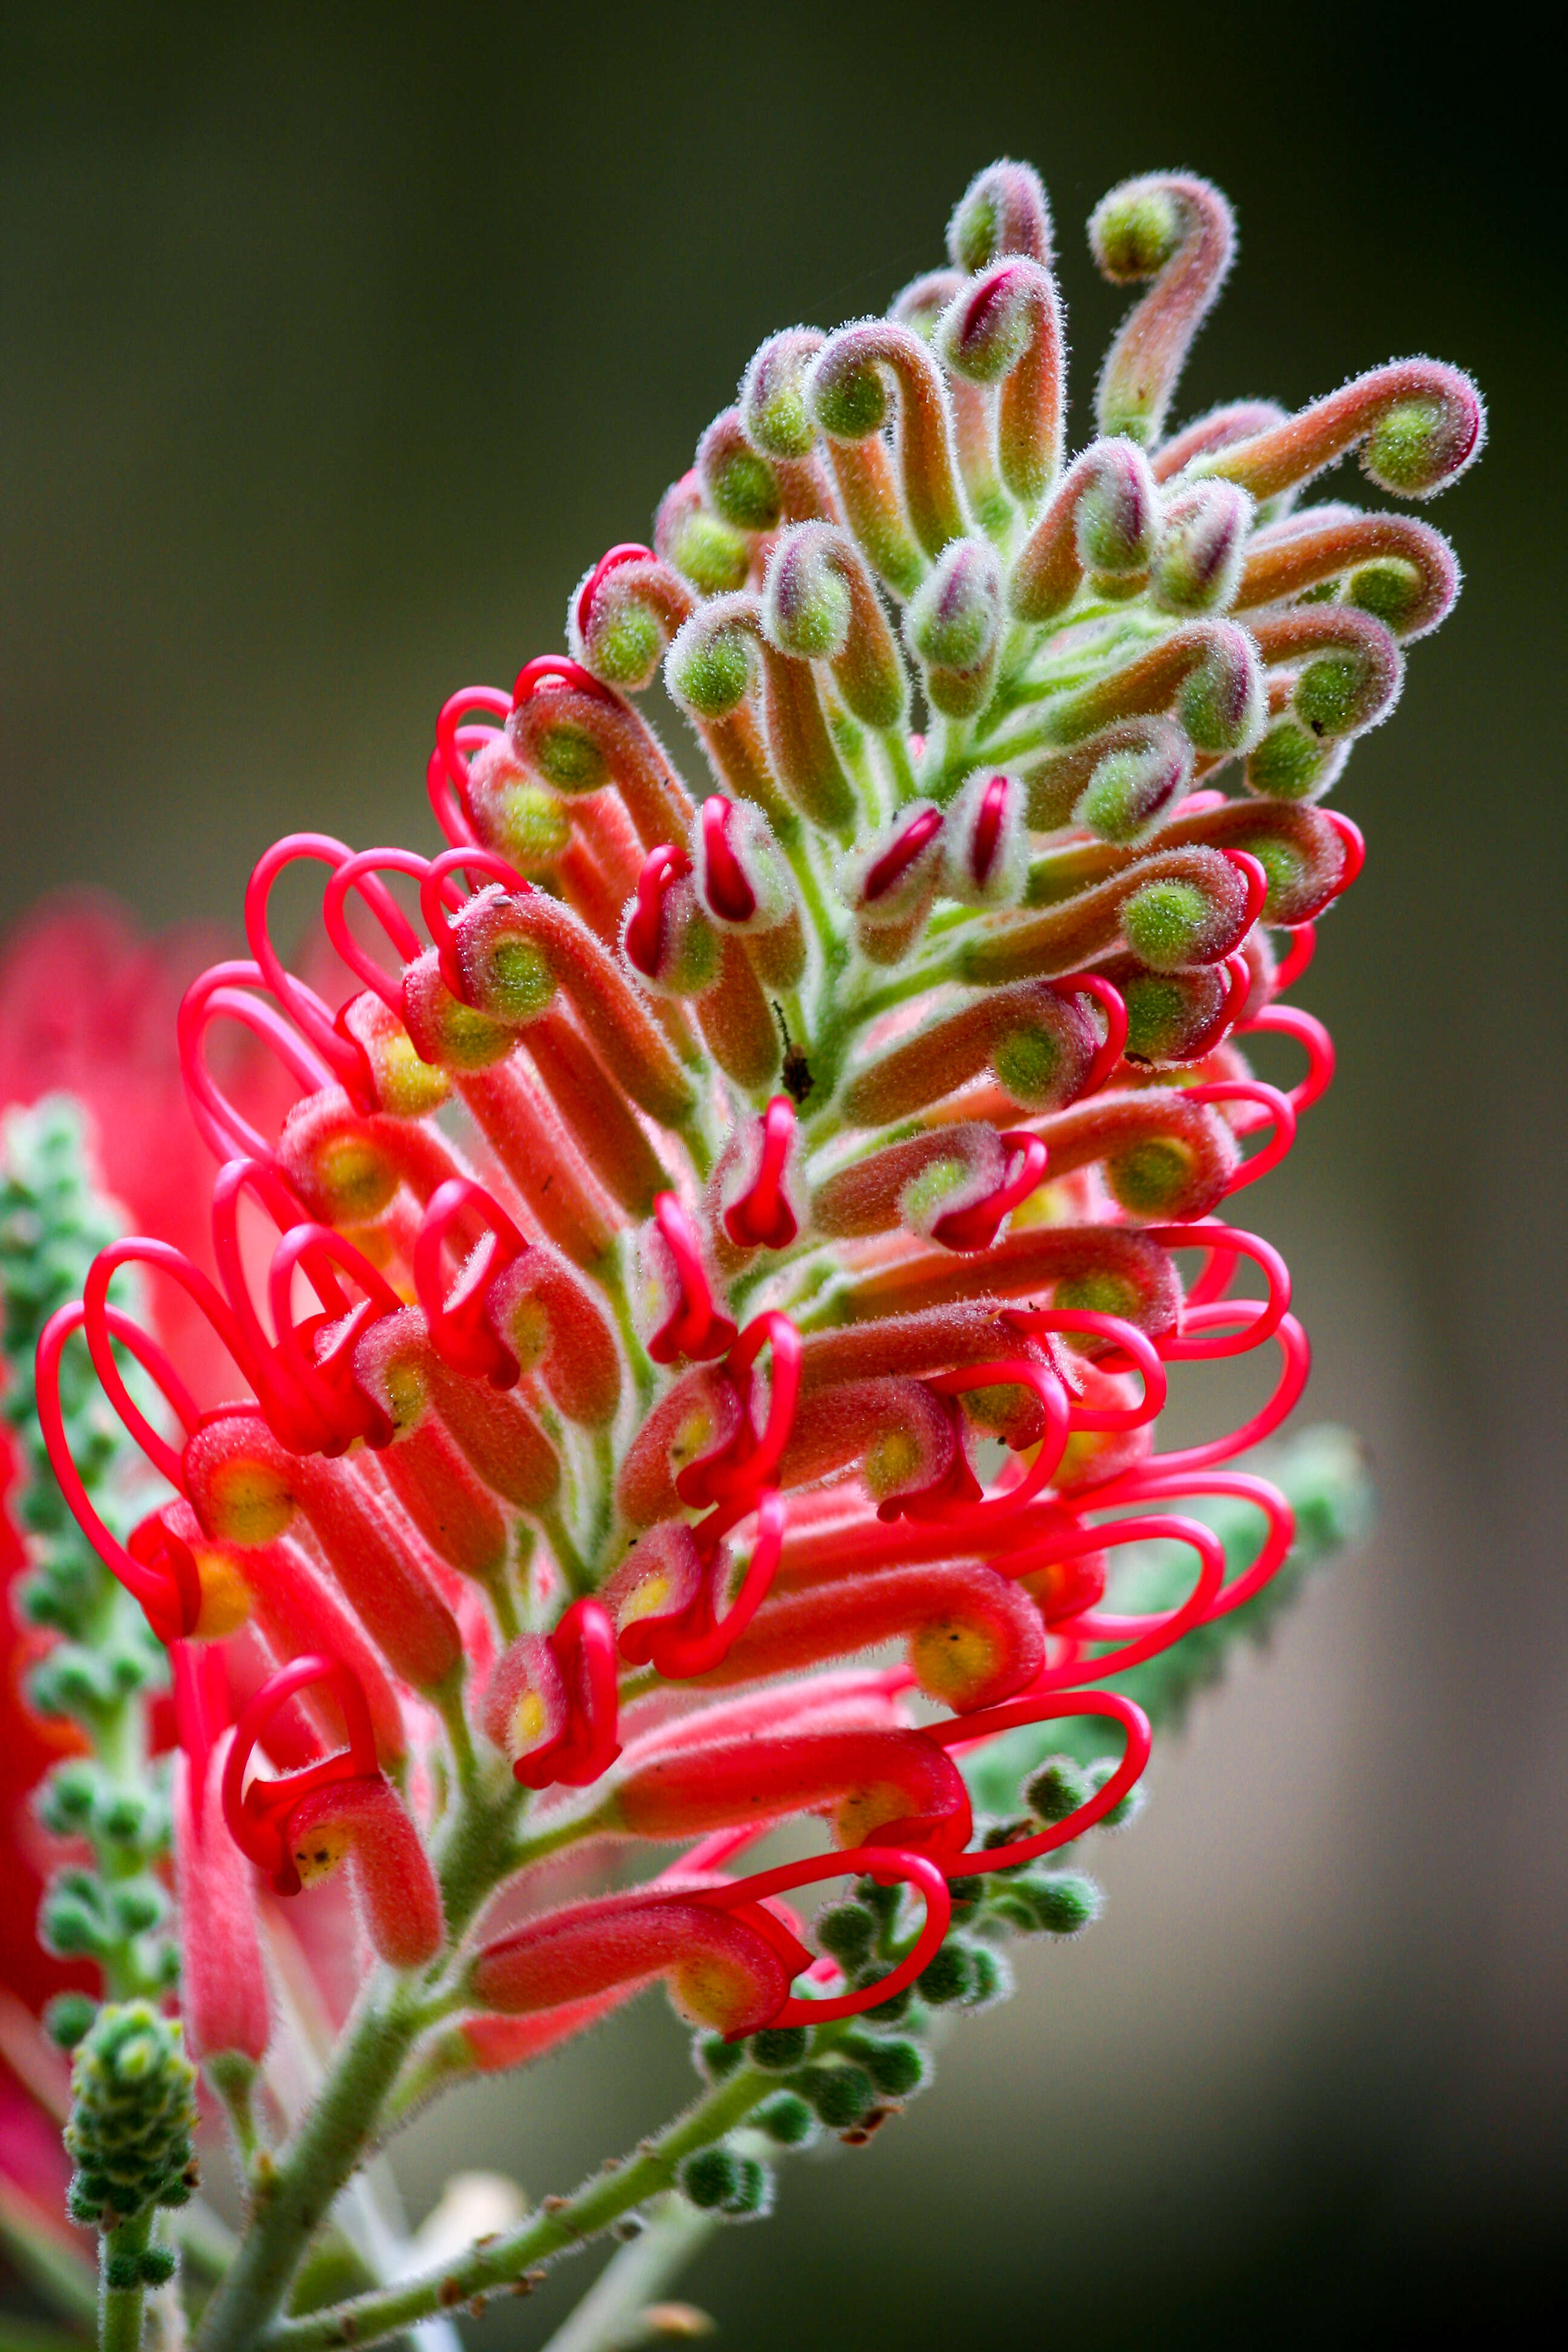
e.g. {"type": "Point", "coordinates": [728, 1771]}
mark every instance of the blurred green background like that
{"type": "Point", "coordinates": [336, 342]}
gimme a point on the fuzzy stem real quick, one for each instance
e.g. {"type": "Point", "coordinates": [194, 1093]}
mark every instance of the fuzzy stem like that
{"type": "Point", "coordinates": [607, 2318]}
{"type": "Point", "coordinates": [368, 2318]}
{"type": "Point", "coordinates": [120, 2307]}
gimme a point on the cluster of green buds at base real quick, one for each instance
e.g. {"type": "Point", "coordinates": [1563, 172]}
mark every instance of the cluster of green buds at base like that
{"type": "Point", "coordinates": [700, 1333]}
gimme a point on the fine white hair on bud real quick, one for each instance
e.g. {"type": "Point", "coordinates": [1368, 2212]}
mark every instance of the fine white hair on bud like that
{"type": "Point", "coordinates": [1180, 232]}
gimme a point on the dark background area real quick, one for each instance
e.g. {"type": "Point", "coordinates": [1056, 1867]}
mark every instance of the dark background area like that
{"type": "Point", "coordinates": [335, 344]}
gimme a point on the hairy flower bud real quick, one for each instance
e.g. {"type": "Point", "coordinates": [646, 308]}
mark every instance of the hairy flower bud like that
{"type": "Point", "coordinates": [1401, 571]}
{"type": "Point", "coordinates": [953, 626]}
{"type": "Point", "coordinates": [1115, 783]}
{"type": "Point", "coordinates": [1203, 536]}
{"type": "Point", "coordinates": [1206, 673]}
{"type": "Point", "coordinates": [1036, 1044]}
{"type": "Point", "coordinates": [721, 1970]}
{"type": "Point", "coordinates": [1180, 232]}
{"type": "Point", "coordinates": [738, 482]}
{"type": "Point", "coordinates": [848, 394]}
{"type": "Point", "coordinates": [692, 540]}
{"type": "Point", "coordinates": [985, 846]}
{"type": "Point", "coordinates": [223, 1987]}
{"type": "Point", "coordinates": [1005, 327]}
{"type": "Point", "coordinates": [1003, 210]}
{"type": "Point", "coordinates": [1417, 425]}
{"type": "Point", "coordinates": [1102, 525]}
{"type": "Point", "coordinates": [623, 615]}
{"type": "Point", "coordinates": [818, 604]}
{"type": "Point", "coordinates": [361, 1822]}
{"type": "Point", "coordinates": [890, 1788]}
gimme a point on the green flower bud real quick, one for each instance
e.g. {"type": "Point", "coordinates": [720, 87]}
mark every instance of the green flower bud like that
{"type": "Point", "coordinates": [898, 2069]}
{"type": "Point", "coordinates": [787, 2119]}
{"type": "Point", "coordinates": [1287, 763]}
{"type": "Point", "coordinates": [1057, 1790]}
{"type": "Point", "coordinates": [778, 2050]}
{"type": "Point", "coordinates": [1197, 564]}
{"type": "Point", "coordinates": [714, 2058]}
{"type": "Point", "coordinates": [840, 2094]}
{"type": "Point", "coordinates": [132, 2113]}
{"type": "Point", "coordinates": [717, 2180]}
{"type": "Point", "coordinates": [950, 1975]}
{"type": "Point", "coordinates": [1128, 1809]}
{"type": "Point", "coordinates": [68, 2017]}
{"type": "Point", "coordinates": [1003, 210]}
{"type": "Point", "coordinates": [848, 1930]}
{"type": "Point", "coordinates": [773, 411]}
{"type": "Point", "coordinates": [741, 486]}
{"type": "Point", "coordinates": [693, 541]}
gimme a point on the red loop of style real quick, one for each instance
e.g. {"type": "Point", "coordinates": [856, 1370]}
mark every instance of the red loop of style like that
{"type": "Point", "coordinates": [627, 551]}
{"type": "Point", "coordinates": [883, 1862]}
{"type": "Point", "coordinates": [699, 1638]}
{"type": "Point", "coordinates": [901, 854]}
{"type": "Point", "coordinates": [762, 1218]}
{"type": "Point", "coordinates": [1290, 1021]}
{"type": "Point", "coordinates": [1113, 1005]}
{"type": "Point", "coordinates": [728, 893]}
{"type": "Point", "coordinates": [552, 673]}
{"type": "Point", "coordinates": [976, 1226]}
{"type": "Point", "coordinates": [695, 1329]}
{"type": "Point", "coordinates": [967, 1731]}
{"type": "Point", "coordinates": [448, 776]}
{"type": "Point", "coordinates": [976, 1516]}
{"type": "Point", "coordinates": [1353, 841]}
{"type": "Point", "coordinates": [1281, 1107]}
{"type": "Point", "coordinates": [745, 1466]}
{"type": "Point", "coordinates": [660, 869]}
{"type": "Point", "coordinates": [436, 888]}
{"type": "Point", "coordinates": [455, 1320]}
{"type": "Point", "coordinates": [257, 1816]}
{"type": "Point", "coordinates": [584, 1645]}
{"type": "Point", "coordinates": [1250, 868]}
{"type": "Point", "coordinates": [1304, 938]}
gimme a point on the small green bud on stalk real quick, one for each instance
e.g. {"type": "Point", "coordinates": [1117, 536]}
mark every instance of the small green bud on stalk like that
{"type": "Point", "coordinates": [952, 625]}
{"type": "Point", "coordinates": [1180, 232]}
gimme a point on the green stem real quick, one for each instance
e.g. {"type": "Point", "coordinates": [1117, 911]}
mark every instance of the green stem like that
{"type": "Point", "coordinates": [120, 2307]}
{"type": "Point", "coordinates": [291, 2196]}
{"type": "Point", "coordinates": [609, 2318]}
{"type": "Point", "coordinates": [502, 2262]}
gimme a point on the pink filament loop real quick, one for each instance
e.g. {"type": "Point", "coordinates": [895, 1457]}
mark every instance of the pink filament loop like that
{"type": "Point", "coordinates": [699, 1639]}
{"type": "Point", "coordinates": [455, 1320]}
{"type": "Point", "coordinates": [438, 890]}
{"type": "Point", "coordinates": [901, 854]}
{"type": "Point", "coordinates": [626, 551]}
{"type": "Point", "coordinates": [1133, 1343]}
{"type": "Point", "coordinates": [447, 777]}
{"type": "Point", "coordinates": [101, 1322]}
{"type": "Point", "coordinates": [1353, 841]}
{"type": "Point", "coordinates": [1237, 989]}
{"type": "Point", "coordinates": [584, 1646]}
{"type": "Point", "coordinates": [1278, 1516]}
{"type": "Point", "coordinates": [354, 873]}
{"type": "Point", "coordinates": [553, 674]}
{"type": "Point", "coordinates": [1251, 870]}
{"type": "Point", "coordinates": [301, 1003]}
{"type": "Point", "coordinates": [696, 1328]}
{"type": "Point", "coordinates": [1283, 1110]}
{"type": "Point", "coordinates": [988, 825]}
{"type": "Point", "coordinates": [1296, 1356]}
{"type": "Point", "coordinates": [747, 1466]}
{"type": "Point", "coordinates": [1290, 1020]}
{"type": "Point", "coordinates": [1138, 1637]}
{"type": "Point", "coordinates": [969, 1731]}
{"type": "Point", "coordinates": [170, 1591]}
{"type": "Point", "coordinates": [978, 1226]}
{"type": "Point", "coordinates": [328, 1378]}
{"type": "Point", "coordinates": [220, 991]}
{"type": "Point", "coordinates": [968, 1516]}
{"type": "Point", "coordinates": [1303, 938]}
{"type": "Point", "coordinates": [728, 893]}
{"type": "Point", "coordinates": [286, 1404]}
{"type": "Point", "coordinates": [1111, 1003]}
{"type": "Point", "coordinates": [661, 869]}
{"type": "Point", "coordinates": [1225, 1243]}
{"type": "Point", "coordinates": [883, 1862]}
{"type": "Point", "coordinates": [762, 1218]}
{"type": "Point", "coordinates": [257, 1816]}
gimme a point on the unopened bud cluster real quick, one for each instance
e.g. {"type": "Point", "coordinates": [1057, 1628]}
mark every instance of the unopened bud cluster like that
{"type": "Point", "coordinates": [746, 1213]}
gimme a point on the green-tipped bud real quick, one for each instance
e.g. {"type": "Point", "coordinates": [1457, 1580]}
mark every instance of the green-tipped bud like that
{"type": "Point", "coordinates": [1003, 210]}
{"type": "Point", "coordinates": [952, 625]}
{"type": "Point", "coordinates": [1005, 327]}
{"type": "Point", "coordinates": [1057, 1789]}
{"type": "Point", "coordinates": [1128, 790]}
{"type": "Point", "coordinates": [1197, 564]}
{"type": "Point", "coordinates": [705, 550]}
{"type": "Point", "coordinates": [773, 411]}
{"type": "Point", "coordinates": [132, 2114]}
{"type": "Point", "coordinates": [712, 665]}
{"type": "Point", "coordinates": [1289, 764]}
{"type": "Point", "coordinates": [1178, 231]}
{"type": "Point", "coordinates": [991, 1978]}
{"type": "Point", "coordinates": [1417, 423]}
{"type": "Point", "coordinates": [1064, 1902]}
{"type": "Point", "coordinates": [820, 605]}
{"type": "Point", "coordinates": [740, 485]}
{"type": "Point", "coordinates": [1102, 525]}
{"type": "Point", "coordinates": [950, 1976]}
{"type": "Point", "coordinates": [778, 2050]}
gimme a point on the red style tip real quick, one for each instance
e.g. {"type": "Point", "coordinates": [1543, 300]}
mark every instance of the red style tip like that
{"type": "Point", "coordinates": [897, 859]}
{"type": "Point", "coordinates": [728, 893]}
{"type": "Point", "coordinates": [762, 1218]}
{"type": "Point", "coordinates": [661, 869]}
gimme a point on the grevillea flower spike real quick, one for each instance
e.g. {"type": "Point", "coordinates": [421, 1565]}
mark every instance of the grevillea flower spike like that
{"type": "Point", "coordinates": [748, 1213]}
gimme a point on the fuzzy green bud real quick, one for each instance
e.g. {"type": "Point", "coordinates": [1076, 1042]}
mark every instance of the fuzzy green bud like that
{"type": "Point", "coordinates": [787, 2119]}
{"type": "Point", "coordinates": [778, 2050]}
{"type": "Point", "coordinates": [1057, 1789]}
{"type": "Point", "coordinates": [132, 2114]}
